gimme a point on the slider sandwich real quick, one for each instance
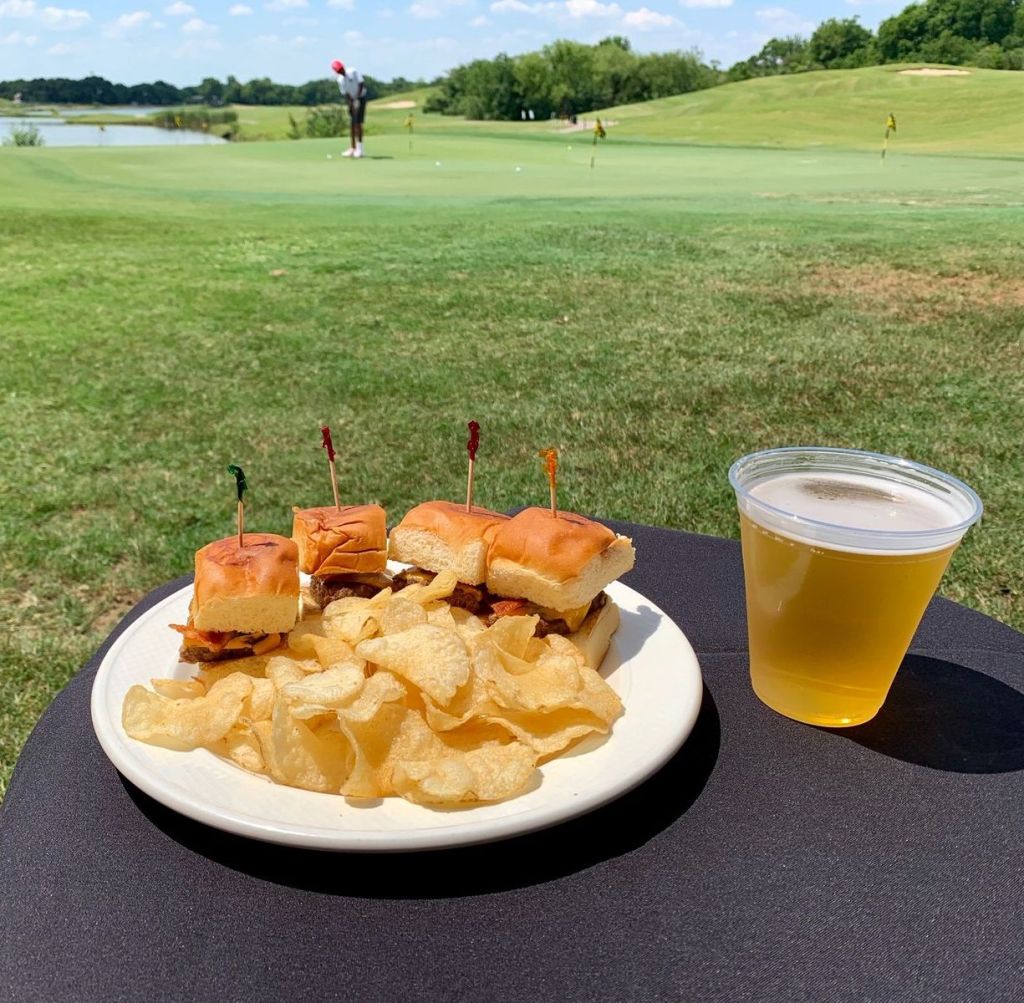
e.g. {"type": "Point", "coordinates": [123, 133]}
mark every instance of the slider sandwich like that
{"type": "Point", "coordinates": [344, 550]}
{"type": "Point", "coordinates": [557, 569]}
{"type": "Point", "coordinates": [442, 536]}
{"type": "Point", "coordinates": [245, 598]}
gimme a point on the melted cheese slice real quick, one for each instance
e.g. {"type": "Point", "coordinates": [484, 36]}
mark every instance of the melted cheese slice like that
{"type": "Point", "coordinates": [573, 617]}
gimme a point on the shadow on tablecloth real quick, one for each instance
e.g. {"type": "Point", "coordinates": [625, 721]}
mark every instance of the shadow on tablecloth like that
{"type": "Point", "coordinates": [947, 717]}
{"type": "Point", "coordinates": [617, 828]}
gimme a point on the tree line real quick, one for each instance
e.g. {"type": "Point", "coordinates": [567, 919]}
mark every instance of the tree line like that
{"type": "Point", "coordinates": [984, 33]}
{"type": "Point", "coordinates": [211, 91]}
{"type": "Point", "coordinates": [567, 78]}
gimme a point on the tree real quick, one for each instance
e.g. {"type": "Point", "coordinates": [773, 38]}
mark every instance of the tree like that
{"type": "Point", "coordinates": [841, 43]}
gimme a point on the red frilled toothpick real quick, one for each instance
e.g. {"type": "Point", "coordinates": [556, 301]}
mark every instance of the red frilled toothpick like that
{"type": "Point", "coordinates": [329, 446]}
{"type": "Point", "coordinates": [472, 446]}
{"type": "Point", "coordinates": [550, 457]}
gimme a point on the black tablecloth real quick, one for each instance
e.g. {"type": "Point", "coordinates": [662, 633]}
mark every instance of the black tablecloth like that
{"type": "Point", "coordinates": [768, 860]}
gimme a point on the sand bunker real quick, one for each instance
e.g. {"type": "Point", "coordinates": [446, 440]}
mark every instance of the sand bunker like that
{"type": "Point", "coordinates": [934, 71]}
{"type": "Point", "coordinates": [396, 104]}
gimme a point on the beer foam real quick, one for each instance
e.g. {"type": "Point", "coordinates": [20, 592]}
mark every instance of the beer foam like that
{"type": "Point", "coordinates": [856, 502]}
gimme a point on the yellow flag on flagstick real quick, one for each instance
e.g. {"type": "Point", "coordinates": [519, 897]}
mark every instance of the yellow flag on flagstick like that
{"type": "Point", "coordinates": [599, 133]}
{"type": "Point", "coordinates": [890, 126]}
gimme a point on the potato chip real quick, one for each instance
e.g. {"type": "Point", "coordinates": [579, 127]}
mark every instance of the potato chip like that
{"type": "Point", "coordinates": [400, 615]}
{"type": "Point", "coordinates": [324, 692]}
{"type": "Point", "coordinates": [259, 704]}
{"type": "Point", "coordinates": [548, 734]}
{"type": "Point", "coordinates": [242, 747]}
{"type": "Point", "coordinates": [333, 651]}
{"type": "Point", "coordinates": [430, 657]}
{"type": "Point", "coordinates": [491, 773]}
{"type": "Point", "coordinates": [185, 724]}
{"type": "Point", "coordinates": [282, 670]}
{"type": "Point", "coordinates": [441, 587]}
{"type": "Point", "coordinates": [372, 737]}
{"type": "Point", "coordinates": [469, 626]}
{"type": "Point", "coordinates": [179, 689]}
{"type": "Point", "coordinates": [440, 615]}
{"type": "Point", "coordinates": [553, 682]}
{"type": "Point", "coordinates": [300, 639]}
{"type": "Point", "coordinates": [210, 673]}
{"type": "Point", "coordinates": [301, 756]}
{"type": "Point", "coordinates": [470, 701]}
{"type": "Point", "coordinates": [513, 633]}
{"type": "Point", "coordinates": [353, 619]}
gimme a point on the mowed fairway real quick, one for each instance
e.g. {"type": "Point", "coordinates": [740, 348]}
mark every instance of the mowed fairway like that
{"type": "Point", "coordinates": [169, 311]}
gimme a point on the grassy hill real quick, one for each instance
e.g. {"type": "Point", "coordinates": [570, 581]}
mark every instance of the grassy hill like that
{"type": "Point", "coordinates": [977, 113]}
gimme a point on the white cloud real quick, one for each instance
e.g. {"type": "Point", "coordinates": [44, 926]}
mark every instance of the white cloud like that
{"type": "Point", "coordinates": [424, 10]}
{"type": "Point", "coordinates": [285, 4]}
{"type": "Point", "coordinates": [480, 22]}
{"type": "Point", "coordinates": [17, 38]}
{"type": "Point", "coordinates": [239, 10]}
{"type": "Point", "coordinates": [647, 20]}
{"type": "Point", "coordinates": [342, 4]}
{"type": "Point", "coordinates": [179, 9]}
{"type": "Point", "coordinates": [197, 26]}
{"type": "Point", "coordinates": [591, 8]}
{"type": "Point", "coordinates": [66, 48]}
{"type": "Point", "coordinates": [705, 3]}
{"type": "Point", "coordinates": [17, 8]}
{"type": "Point", "coordinates": [780, 21]}
{"type": "Point", "coordinates": [128, 23]}
{"type": "Point", "coordinates": [354, 36]}
{"type": "Point", "coordinates": [64, 18]}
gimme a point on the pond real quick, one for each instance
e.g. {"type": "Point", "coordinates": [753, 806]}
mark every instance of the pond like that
{"type": "Point", "coordinates": [58, 133]}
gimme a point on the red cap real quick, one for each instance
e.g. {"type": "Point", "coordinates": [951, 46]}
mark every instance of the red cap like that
{"type": "Point", "coordinates": [338, 66]}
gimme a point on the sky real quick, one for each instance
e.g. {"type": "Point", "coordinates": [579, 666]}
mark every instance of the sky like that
{"type": "Point", "coordinates": [291, 41]}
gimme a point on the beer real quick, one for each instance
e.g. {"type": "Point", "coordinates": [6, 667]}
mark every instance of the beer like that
{"type": "Point", "coordinates": [841, 556]}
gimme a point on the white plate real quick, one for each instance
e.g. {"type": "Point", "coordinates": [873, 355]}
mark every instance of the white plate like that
{"type": "Point", "coordinates": [650, 665]}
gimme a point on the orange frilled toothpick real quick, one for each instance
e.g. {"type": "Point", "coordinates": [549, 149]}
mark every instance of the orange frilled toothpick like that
{"type": "Point", "coordinates": [325, 432]}
{"type": "Point", "coordinates": [550, 457]}
{"type": "Point", "coordinates": [472, 446]}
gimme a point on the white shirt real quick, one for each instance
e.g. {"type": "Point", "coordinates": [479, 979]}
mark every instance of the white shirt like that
{"type": "Point", "coordinates": [349, 83]}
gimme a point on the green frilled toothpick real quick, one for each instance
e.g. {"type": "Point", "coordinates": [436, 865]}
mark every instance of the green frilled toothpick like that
{"type": "Point", "coordinates": [240, 488]}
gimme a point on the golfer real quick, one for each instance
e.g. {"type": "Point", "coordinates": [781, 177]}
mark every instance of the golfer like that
{"type": "Point", "coordinates": [353, 90]}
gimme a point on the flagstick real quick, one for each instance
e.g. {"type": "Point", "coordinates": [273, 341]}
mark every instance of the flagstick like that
{"type": "Point", "coordinates": [593, 152]}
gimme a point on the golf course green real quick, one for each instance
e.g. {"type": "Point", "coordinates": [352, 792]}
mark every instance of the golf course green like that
{"type": "Point", "coordinates": [168, 311]}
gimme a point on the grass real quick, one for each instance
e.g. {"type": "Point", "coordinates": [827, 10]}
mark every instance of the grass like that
{"type": "Point", "coordinates": [843, 109]}
{"type": "Point", "coordinates": [168, 311]}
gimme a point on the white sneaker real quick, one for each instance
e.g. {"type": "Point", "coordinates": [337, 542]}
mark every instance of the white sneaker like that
{"type": "Point", "coordinates": [349, 152]}
{"type": "Point", "coordinates": [358, 154]}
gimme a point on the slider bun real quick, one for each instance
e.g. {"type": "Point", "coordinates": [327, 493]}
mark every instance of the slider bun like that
{"type": "Point", "coordinates": [560, 563]}
{"type": "Point", "coordinates": [595, 633]}
{"type": "Point", "coordinates": [443, 536]}
{"type": "Point", "coordinates": [353, 541]}
{"type": "Point", "coordinates": [253, 589]}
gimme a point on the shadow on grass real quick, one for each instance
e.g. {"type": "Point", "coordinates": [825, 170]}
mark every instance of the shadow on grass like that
{"type": "Point", "coordinates": [947, 717]}
{"type": "Point", "coordinates": [608, 832]}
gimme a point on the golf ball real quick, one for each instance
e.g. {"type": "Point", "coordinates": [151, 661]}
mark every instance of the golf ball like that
{"type": "Point", "coordinates": [329, 156]}
{"type": "Point", "coordinates": [437, 163]}
{"type": "Point", "coordinates": [518, 169]}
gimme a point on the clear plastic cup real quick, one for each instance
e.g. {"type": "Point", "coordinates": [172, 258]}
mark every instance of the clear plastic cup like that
{"type": "Point", "coordinates": [842, 551]}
